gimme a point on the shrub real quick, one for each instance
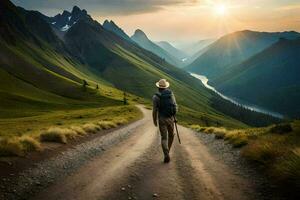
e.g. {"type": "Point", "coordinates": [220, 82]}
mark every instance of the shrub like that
{"type": "Point", "coordinates": [91, 128]}
{"type": "Point", "coordinates": [195, 127]}
{"type": "Point", "coordinates": [287, 170]}
{"type": "Point", "coordinates": [209, 130]}
{"type": "Point", "coordinates": [106, 124]}
{"type": "Point", "coordinates": [78, 130]}
{"type": "Point", "coordinates": [29, 144]}
{"type": "Point", "coordinates": [262, 151]}
{"type": "Point", "coordinates": [10, 147]}
{"type": "Point", "coordinates": [119, 122]}
{"type": "Point", "coordinates": [240, 141]}
{"type": "Point", "coordinates": [219, 135]}
{"type": "Point", "coordinates": [54, 135]}
{"type": "Point", "coordinates": [281, 128]}
{"type": "Point", "coordinates": [202, 129]}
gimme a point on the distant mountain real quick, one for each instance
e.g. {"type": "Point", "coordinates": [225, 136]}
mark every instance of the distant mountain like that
{"type": "Point", "coordinates": [172, 50]}
{"type": "Point", "coordinates": [141, 39]}
{"type": "Point", "coordinates": [193, 48]}
{"type": "Point", "coordinates": [40, 71]}
{"type": "Point", "coordinates": [111, 26]}
{"type": "Point", "coordinates": [270, 79]}
{"type": "Point", "coordinates": [63, 22]}
{"type": "Point", "coordinates": [232, 49]}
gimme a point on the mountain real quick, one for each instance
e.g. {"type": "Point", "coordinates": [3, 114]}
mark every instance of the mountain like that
{"type": "Point", "coordinates": [172, 50]}
{"type": "Point", "coordinates": [232, 49]}
{"type": "Point", "coordinates": [39, 72]}
{"type": "Point", "coordinates": [67, 19]}
{"type": "Point", "coordinates": [141, 39]}
{"type": "Point", "coordinates": [111, 26]}
{"type": "Point", "coordinates": [192, 49]}
{"type": "Point", "coordinates": [270, 79]}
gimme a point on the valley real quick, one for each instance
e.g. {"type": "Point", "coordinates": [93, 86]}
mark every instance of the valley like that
{"type": "Point", "coordinates": [76, 99]}
{"type": "Point", "coordinates": [238, 102]}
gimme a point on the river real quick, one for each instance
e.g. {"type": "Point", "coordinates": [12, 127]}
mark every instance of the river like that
{"type": "Point", "coordinates": [236, 101]}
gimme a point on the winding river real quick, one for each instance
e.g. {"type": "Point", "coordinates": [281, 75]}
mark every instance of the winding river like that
{"type": "Point", "coordinates": [252, 107]}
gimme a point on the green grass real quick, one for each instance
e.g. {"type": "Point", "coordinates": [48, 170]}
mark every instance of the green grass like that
{"type": "Point", "coordinates": [21, 135]}
{"type": "Point", "coordinates": [275, 148]}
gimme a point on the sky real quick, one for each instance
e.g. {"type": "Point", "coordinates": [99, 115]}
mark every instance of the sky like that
{"type": "Point", "coordinates": [183, 21]}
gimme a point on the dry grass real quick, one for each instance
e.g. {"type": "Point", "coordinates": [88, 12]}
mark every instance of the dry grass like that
{"type": "Point", "coordinates": [55, 134]}
{"type": "Point", "coordinates": [78, 130]}
{"type": "Point", "coordinates": [106, 124]}
{"type": "Point", "coordinates": [10, 147]}
{"type": "Point", "coordinates": [91, 128]}
{"type": "Point", "coordinates": [18, 146]}
{"type": "Point", "coordinates": [30, 144]}
{"type": "Point", "coordinates": [22, 137]}
{"type": "Point", "coordinates": [276, 148]}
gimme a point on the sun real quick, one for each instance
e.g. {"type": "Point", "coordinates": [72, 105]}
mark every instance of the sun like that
{"type": "Point", "coordinates": [220, 9]}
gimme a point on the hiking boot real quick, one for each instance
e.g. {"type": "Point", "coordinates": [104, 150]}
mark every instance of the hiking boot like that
{"type": "Point", "coordinates": [167, 159]}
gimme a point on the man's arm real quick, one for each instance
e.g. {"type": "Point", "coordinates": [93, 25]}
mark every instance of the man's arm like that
{"type": "Point", "coordinates": [155, 101]}
{"type": "Point", "coordinates": [174, 100]}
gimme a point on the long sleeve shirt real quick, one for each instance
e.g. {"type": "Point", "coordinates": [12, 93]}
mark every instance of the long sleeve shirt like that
{"type": "Point", "coordinates": [155, 109]}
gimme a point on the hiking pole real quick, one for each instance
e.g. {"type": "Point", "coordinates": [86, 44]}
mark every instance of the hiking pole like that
{"type": "Point", "coordinates": [175, 121]}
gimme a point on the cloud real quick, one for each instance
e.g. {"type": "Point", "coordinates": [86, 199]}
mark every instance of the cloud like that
{"type": "Point", "coordinates": [104, 7]}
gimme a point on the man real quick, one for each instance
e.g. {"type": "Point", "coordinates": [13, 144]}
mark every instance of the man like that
{"type": "Point", "coordinates": [164, 110]}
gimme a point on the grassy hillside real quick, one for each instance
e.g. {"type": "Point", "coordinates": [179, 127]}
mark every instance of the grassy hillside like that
{"type": "Point", "coordinates": [143, 41]}
{"type": "Point", "coordinates": [135, 70]}
{"type": "Point", "coordinates": [172, 50]}
{"type": "Point", "coordinates": [232, 49]}
{"type": "Point", "coordinates": [274, 149]}
{"type": "Point", "coordinates": [274, 77]}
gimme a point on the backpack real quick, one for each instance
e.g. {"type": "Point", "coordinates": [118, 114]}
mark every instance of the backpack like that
{"type": "Point", "coordinates": [167, 105]}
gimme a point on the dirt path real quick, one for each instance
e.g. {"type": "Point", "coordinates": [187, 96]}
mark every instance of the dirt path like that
{"type": "Point", "coordinates": [133, 169]}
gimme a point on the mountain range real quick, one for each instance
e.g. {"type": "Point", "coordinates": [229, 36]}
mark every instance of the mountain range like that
{"type": "Point", "coordinates": [234, 48]}
{"type": "Point", "coordinates": [172, 50]}
{"type": "Point", "coordinates": [270, 79]}
{"type": "Point", "coordinates": [141, 39]}
{"type": "Point", "coordinates": [259, 68]}
{"type": "Point", "coordinates": [43, 67]}
{"type": "Point", "coordinates": [111, 26]}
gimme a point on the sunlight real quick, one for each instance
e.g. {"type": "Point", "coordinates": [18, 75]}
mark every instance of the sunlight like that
{"type": "Point", "coordinates": [220, 9]}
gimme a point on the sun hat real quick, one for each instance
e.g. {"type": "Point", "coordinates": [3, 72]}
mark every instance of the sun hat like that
{"type": "Point", "coordinates": [162, 83]}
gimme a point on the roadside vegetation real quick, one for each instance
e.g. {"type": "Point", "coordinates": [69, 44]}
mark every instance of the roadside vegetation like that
{"type": "Point", "coordinates": [19, 136]}
{"type": "Point", "coordinates": [276, 149]}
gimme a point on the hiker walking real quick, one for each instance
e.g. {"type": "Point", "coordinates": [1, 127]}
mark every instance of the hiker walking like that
{"type": "Point", "coordinates": [164, 110]}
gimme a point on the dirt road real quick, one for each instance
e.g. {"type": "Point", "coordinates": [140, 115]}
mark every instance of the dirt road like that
{"type": "Point", "coordinates": [131, 167]}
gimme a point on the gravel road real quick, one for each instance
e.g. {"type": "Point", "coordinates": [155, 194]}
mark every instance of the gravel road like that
{"type": "Point", "coordinates": [127, 164]}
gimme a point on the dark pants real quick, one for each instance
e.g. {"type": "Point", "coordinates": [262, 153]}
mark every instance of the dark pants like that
{"type": "Point", "coordinates": [166, 128]}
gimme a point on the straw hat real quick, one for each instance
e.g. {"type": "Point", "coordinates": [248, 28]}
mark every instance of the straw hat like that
{"type": "Point", "coordinates": [162, 83]}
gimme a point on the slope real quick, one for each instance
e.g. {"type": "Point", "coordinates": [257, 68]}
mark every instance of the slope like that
{"type": "Point", "coordinates": [274, 77]}
{"type": "Point", "coordinates": [141, 39]}
{"type": "Point", "coordinates": [36, 68]}
{"type": "Point", "coordinates": [232, 49]}
{"type": "Point", "coordinates": [135, 70]}
{"type": "Point", "coordinates": [172, 50]}
{"type": "Point", "coordinates": [111, 26]}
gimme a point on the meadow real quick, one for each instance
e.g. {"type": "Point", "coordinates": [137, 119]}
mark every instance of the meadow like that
{"type": "Point", "coordinates": [274, 149]}
{"type": "Point", "coordinates": [19, 136]}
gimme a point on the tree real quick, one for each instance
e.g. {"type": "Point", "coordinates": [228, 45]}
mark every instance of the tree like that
{"type": "Point", "coordinates": [84, 84]}
{"type": "Point", "coordinates": [125, 99]}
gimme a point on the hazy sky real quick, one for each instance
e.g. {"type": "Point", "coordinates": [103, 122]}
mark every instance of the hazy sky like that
{"type": "Point", "coordinates": [183, 20]}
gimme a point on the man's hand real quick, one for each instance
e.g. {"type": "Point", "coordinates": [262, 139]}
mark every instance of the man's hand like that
{"type": "Point", "coordinates": [175, 120]}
